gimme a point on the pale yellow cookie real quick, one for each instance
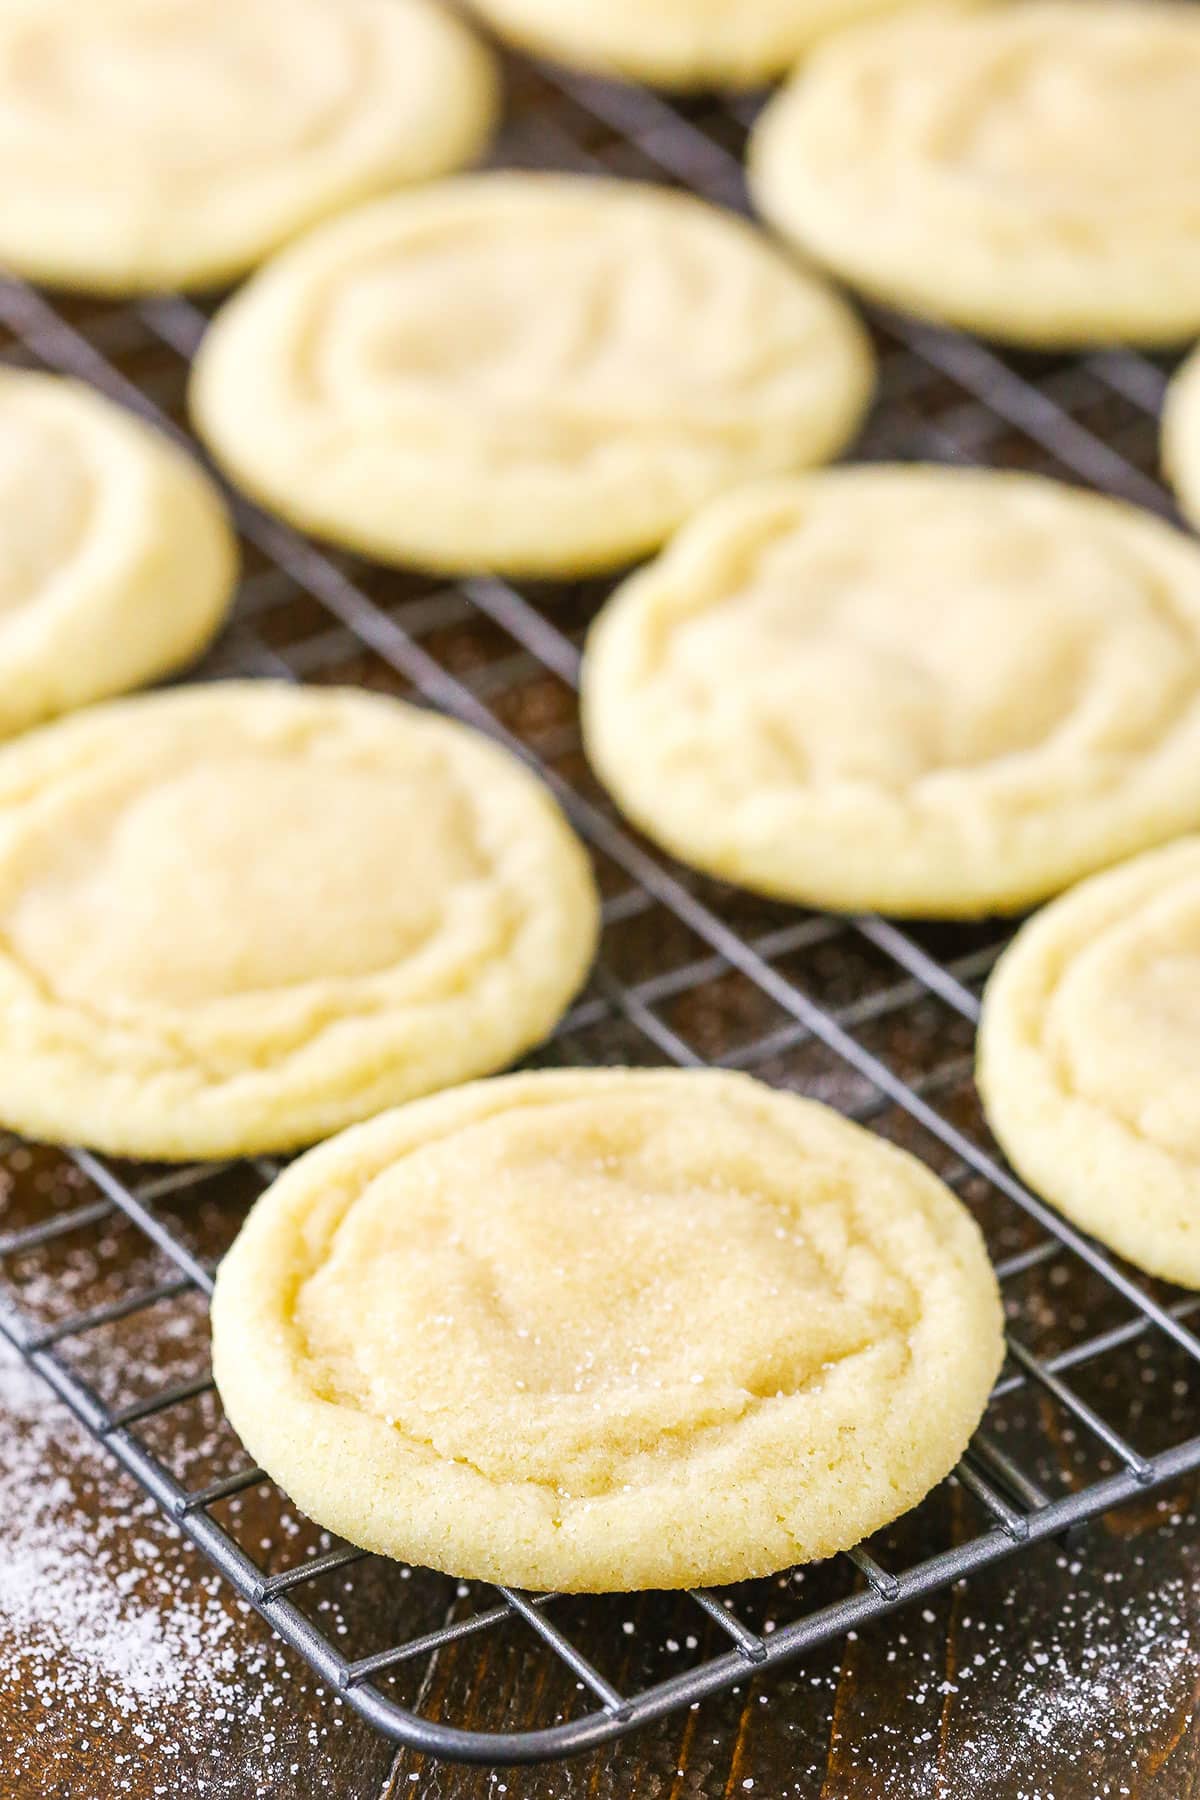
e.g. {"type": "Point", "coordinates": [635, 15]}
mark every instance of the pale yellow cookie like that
{"type": "Point", "coordinates": [1030, 172]}
{"type": "Point", "coordinates": [912, 689]}
{"type": "Point", "coordinates": [174, 143]}
{"type": "Point", "coordinates": [117, 561]}
{"type": "Point", "coordinates": [236, 918]}
{"type": "Point", "coordinates": [607, 1329]}
{"type": "Point", "coordinates": [537, 374]}
{"type": "Point", "coordinates": [676, 43]}
{"type": "Point", "coordinates": [1181, 436]}
{"type": "Point", "coordinates": [1089, 1058]}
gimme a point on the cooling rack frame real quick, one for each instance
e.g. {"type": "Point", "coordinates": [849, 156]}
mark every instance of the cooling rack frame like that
{"type": "Point", "coordinates": [582, 124]}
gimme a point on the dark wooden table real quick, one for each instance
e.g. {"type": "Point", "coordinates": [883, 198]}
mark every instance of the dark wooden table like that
{"type": "Point", "coordinates": [1066, 1674]}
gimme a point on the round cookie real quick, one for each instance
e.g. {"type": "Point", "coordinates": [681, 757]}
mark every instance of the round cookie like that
{"type": "Point", "coordinates": [908, 689]}
{"type": "Point", "coordinates": [174, 143]}
{"type": "Point", "coordinates": [117, 561]}
{"type": "Point", "coordinates": [1181, 436]}
{"type": "Point", "coordinates": [1029, 172]}
{"type": "Point", "coordinates": [659, 1328]}
{"type": "Point", "coordinates": [677, 43]}
{"type": "Point", "coordinates": [537, 374]}
{"type": "Point", "coordinates": [1089, 1058]}
{"type": "Point", "coordinates": [236, 918]}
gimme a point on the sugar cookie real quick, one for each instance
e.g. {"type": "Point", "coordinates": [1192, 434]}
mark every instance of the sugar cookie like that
{"type": "Point", "coordinates": [1030, 172]}
{"type": "Point", "coordinates": [607, 1329]}
{"type": "Point", "coordinates": [530, 373]}
{"type": "Point", "coordinates": [1089, 1057]}
{"type": "Point", "coordinates": [117, 562]}
{"type": "Point", "coordinates": [912, 689]}
{"type": "Point", "coordinates": [677, 43]}
{"type": "Point", "coordinates": [174, 143]}
{"type": "Point", "coordinates": [236, 918]}
{"type": "Point", "coordinates": [1181, 436]}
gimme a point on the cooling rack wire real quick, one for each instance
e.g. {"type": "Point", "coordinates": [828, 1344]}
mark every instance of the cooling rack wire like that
{"type": "Point", "coordinates": [105, 1268]}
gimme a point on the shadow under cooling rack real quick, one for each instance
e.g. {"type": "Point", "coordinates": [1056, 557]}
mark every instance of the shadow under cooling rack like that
{"type": "Point", "coordinates": [107, 1267]}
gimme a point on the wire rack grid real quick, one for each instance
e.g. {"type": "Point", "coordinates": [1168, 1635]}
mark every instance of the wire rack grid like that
{"type": "Point", "coordinates": [876, 1019]}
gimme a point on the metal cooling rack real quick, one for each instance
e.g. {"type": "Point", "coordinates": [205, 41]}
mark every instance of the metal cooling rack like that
{"type": "Point", "coordinates": [876, 1018]}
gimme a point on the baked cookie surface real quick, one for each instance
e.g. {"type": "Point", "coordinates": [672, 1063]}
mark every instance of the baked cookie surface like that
{"type": "Point", "coordinates": [174, 143]}
{"type": "Point", "coordinates": [1029, 172]}
{"type": "Point", "coordinates": [908, 689]}
{"type": "Point", "coordinates": [677, 43]}
{"type": "Point", "coordinates": [1089, 1058]}
{"type": "Point", "coordinates": [236, 918]}
{"type": "Point", "coordinates": [607, 1329]}
{"type": "Point", "coordinates": [538, 374]}
{"type": "Point", "coordinates": [1181, 436]}
{"type": "Point", "coordinates": [117, 561]}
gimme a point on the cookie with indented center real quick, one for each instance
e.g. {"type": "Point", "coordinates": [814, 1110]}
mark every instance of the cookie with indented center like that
{"type": "Point", "coordinates": [677, 43]}
{"type": "Point", "coordinates": [1089, 1052]}
{"type": "Point", "coordinates": [536, 374]}
{"type": "Point", "coordinates": [467, 1335]}
{"type": "Point", "coordinates": [117, 560]}
{"type": "Point", "coordinates": [236, 918]}
{"type": "Point", "coordinates": [1025, 171]}
{"type": "Point", "coordinates": [909, 689]}
{"type": "Point", "coordinates": [174, 143]}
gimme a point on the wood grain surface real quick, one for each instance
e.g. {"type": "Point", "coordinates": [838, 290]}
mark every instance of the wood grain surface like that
{"type": "Point", "coordinates": [1062, 1675]}
{"type": "Point", "coordinates": [1069, 1672]}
